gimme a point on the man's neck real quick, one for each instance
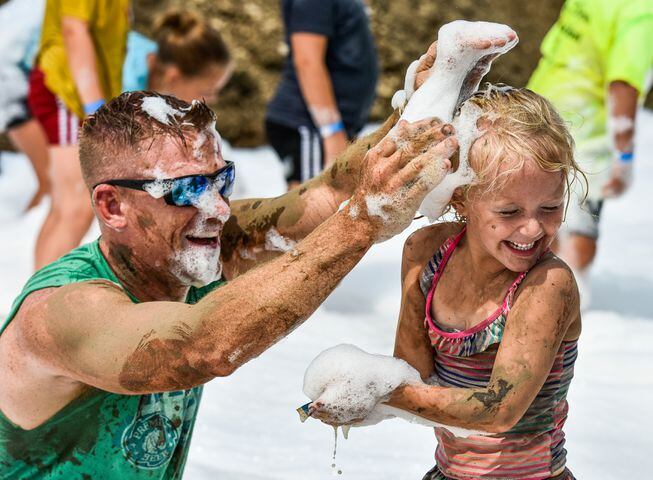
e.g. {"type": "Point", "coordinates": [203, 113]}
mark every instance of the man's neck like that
{"type": "Point", "coordinates": [139, 279]}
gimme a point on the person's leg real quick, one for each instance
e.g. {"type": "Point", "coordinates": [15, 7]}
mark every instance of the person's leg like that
{"type": "Point", "coordinates": [577, 242]}
{"type": "Point", "coordinates": [30, 138]}
{"type": "Point", "coordinates": [70, 212]}
{"type": "Point", "coordinates": [287, 143]}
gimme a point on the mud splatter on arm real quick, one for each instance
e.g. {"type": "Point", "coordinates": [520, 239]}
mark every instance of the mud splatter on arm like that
{"type": "Point", "coordinates": [295, 214]}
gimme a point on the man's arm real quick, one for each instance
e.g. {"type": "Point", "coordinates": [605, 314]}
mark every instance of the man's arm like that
{"type": "Point", "coordinates": [296, 213]}
{"type": "Point", "coordinates": [92, 333]}
{"type": "Point", "coordinates": [622, 107]}
{"type": "Point", "coordinates": [309, 57]}
{"type": "Point", "coordinates": [539, 321]}
{"type": "Point", "coordinates": [82, 60]}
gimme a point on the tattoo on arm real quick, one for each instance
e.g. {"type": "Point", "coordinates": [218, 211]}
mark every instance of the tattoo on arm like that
{"type": "Point", "coordinates": [493, 397]}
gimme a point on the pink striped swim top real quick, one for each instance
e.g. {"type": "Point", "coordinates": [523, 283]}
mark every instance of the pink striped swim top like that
{"type": "Point", "coordinates": [534, 448]}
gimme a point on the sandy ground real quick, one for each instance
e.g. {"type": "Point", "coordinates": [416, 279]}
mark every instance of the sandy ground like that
{"type": "Point", "coordinates": [247, 427]}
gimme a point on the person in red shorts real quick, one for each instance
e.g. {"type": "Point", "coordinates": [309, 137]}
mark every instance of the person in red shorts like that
{"type": "Point", "coordinates": [78, 67]}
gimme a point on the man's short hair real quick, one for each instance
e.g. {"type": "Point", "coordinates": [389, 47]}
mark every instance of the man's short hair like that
{"type": "Point", "coordinates": [131, 123]}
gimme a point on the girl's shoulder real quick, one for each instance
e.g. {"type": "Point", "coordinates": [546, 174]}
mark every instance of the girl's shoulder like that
{"type": "Point", "coordinates": [550, 279]}
{"type": "Point", "coordinates": [422, 244]}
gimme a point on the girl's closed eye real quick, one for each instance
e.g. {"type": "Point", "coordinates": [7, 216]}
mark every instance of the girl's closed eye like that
{"type": "Point", "coordinates": [552, 208]}
{"type": "Point", "coordinates": [508, 212]}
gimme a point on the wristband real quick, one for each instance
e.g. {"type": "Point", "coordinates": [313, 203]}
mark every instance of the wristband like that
{"type": "Point", "coordinates": [626, 157]}
{"type": "Point", "coordinates": [331, 129]}
{"type": "Point", "coordinates": [91, 108]}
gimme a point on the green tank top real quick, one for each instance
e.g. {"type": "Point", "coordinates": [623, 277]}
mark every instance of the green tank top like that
{"type": "Point", "coordinates": [100, 435]}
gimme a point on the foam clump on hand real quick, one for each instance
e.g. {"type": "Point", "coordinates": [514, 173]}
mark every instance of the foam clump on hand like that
{"type": "Point", "coordinates": [352, 382]}
{"type": "Point", "coordinates": [352, 385]}
{"type": "Point", "coordinates": [467, 131]}
{"type": "Point", "coordinates": [464, 50]}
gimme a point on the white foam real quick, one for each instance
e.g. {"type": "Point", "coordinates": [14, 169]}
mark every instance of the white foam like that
{"type": "Point", "coordinates": [444, 91]}
{"type": "Point", "coordinates": [440, 94]}
{"type": "Point", "coordinates": [275, 242]}
{"type": "Point", "coordinates": [159, 109]}
{"type": "Point", "coordinates": [376, 205]}
{"type": "Point", "coordinates": [352, 384]}
{"type": "Point", "coordinates": [196, 265]}
{"type": "Point", "coordinates": [199, 142]}
{"type": "Point", "coordinates": [467, 132]}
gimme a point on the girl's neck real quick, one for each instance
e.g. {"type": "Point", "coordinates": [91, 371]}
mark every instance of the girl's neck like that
{"type": "Point", "coordinates": [481, 269]}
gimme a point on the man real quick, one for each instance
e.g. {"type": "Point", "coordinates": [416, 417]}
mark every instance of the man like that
{"type": "Point", "coordinates": [77, 68]}
{"type": "Point", "coordinates": [327, 84]}
{"type": "Point", "coordinates": [595, 68]}
{"type": "Point", "coordinates": [104, 353]}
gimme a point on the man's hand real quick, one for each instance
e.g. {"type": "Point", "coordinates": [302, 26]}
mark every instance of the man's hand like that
{"type": "Point", "coordinates": [398, 173]}
{"type": "Point", "coordinates": [621, 176]}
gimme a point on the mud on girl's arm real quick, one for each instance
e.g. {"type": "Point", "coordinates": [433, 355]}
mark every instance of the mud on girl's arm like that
{"type": "Point", "coordinates": [545, 312]}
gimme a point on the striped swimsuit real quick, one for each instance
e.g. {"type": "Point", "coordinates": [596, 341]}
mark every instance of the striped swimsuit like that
{"type": "Point", "coordinates": [534, 448]}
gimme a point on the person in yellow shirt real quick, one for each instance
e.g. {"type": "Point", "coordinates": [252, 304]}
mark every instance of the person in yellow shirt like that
{"type": "Point", "coordinates": [78, 68]}
{"type": "Point", "coordinates": [595, 68]}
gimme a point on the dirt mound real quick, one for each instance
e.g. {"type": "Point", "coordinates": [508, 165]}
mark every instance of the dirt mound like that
{"type": "Point", "coordinates": [403, 29]}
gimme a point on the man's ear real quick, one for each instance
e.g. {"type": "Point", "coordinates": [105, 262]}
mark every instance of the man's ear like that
{"type": "Point", "coordinates": [109, 206]}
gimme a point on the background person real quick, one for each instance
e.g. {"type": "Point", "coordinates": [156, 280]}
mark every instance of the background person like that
{"type": "Point", "coordinates": [187, 59]}
{"type": "Point", "coordinates": [327, 84]}
{"type": "Point", "coordinates": [595, 68]}
{"type": "Point", "coordinates": [78, 67]}
{"type": "Point", "coordinates": [20, 23]}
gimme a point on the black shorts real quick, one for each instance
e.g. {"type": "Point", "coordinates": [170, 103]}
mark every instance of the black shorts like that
{"type": "Point", "coordinates": [299, 149]}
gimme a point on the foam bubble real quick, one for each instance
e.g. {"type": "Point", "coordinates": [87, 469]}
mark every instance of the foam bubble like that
{"type": "Point", "coordinates": [196, 265]}
{"type": "Point", "coordinates": [443, 92]}
{"type": "Point", "coordinates": [275, 242]}
{"type": "Point", "coordinates": [352, 384]}
{"type": "Point", "coordinates": [159, 109]}
{"type": "Point", "coordinates": [467, 132]}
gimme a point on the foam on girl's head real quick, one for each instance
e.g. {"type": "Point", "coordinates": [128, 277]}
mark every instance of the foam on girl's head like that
{"type": "Point", "coordinates": [519, 126]}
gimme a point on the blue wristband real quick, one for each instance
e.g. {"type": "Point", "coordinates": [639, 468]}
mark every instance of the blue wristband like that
{"type": "Point", "coordinates": [332, 129]}
{"type": "Point", "coordinates": [626, 157]}
{"type": "Point", "coordinates": [91, 108]}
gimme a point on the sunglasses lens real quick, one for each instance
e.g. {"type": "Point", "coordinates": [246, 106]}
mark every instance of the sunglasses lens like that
{"type": "Point", "coordinates": [186, 191]}
{"type": "Point", "coordinates": [225, 180]}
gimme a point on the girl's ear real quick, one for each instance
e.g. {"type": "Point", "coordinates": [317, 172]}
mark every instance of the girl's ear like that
{"type": "Point", "coordinates": [459, 202]}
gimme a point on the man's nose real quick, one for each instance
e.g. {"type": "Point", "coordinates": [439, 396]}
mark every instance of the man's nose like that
{"type": "Point", "coordinates": [212, 204]}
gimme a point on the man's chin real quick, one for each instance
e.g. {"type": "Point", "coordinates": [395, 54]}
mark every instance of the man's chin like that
{"type": "Point", "coordinates": [198, 267]}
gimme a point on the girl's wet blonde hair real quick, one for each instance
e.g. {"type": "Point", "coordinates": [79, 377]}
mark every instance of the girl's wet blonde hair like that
{"type": "Point", "coordinates": [519, 126]}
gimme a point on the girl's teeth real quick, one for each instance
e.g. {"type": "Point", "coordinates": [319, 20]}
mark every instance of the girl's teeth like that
{"type": "Point", "coordinates": [522, 246]}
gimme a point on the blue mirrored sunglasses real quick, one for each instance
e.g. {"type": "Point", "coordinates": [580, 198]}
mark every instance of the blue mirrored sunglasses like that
{"type": "Point", "coordinates": [185, 191]}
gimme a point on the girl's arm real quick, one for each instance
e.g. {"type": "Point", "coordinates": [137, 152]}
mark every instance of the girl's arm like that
{"type": "Point", "coordinates": [412, 342]}
{"type": "Point", "coordinates": [545, 312]}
